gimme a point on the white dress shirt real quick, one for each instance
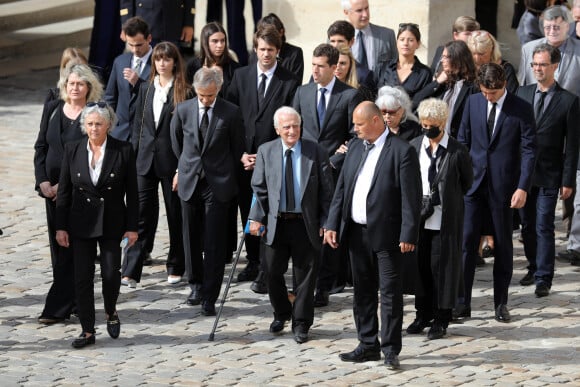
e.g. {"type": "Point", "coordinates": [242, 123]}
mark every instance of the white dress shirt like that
{"type": "Point", "coordinates": [434, 221]}
{"type": "Point", "coordinates": [498, 108]}
{"type": "Point", "coordinates": [96, 171]}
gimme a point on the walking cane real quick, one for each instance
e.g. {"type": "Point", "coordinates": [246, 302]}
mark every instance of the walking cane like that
{"type": "Point", "coordinates": [234, 264]}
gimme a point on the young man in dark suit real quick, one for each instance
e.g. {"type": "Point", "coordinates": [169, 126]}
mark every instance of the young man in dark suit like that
{"type": "Point", "coordinates": [293, 185]}
{"type": "Point", "coordinates": [499, 131]}
{"type": "Point", "coordinates": [557, 114]}
{"type": "Point", "coordinates": [207, 140]}
{"type": "Point", "coordinates": [259, 90]}
{"type": "Point", "coordinates": [129, 71]}
{"type": "Point", "coordinates": [326, 107]}
{"type": "Point", "coordinates": [375, 210]}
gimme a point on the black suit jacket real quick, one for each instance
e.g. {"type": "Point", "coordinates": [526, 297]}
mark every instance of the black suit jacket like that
{"type": "Point", "coordinates": [336, 128]}
{"type": "Point", "coordinates": [556, 138]}
{"type": "Point", "coordinates": [49, 146]}
{"type": "Point", "coordinates": [258, 121]}
{"type": "Point", "coordinates": [166, 18]}
{"type": "Point", "coordinates": [218, 156]}
{"type": "Point", "coordinates": [152, 144]}
{"type": "Point", "coordinates": [86, 210]}
{"type": "Point", "coordinates": [121, 95]}
{"type": "Point", "coordinates": [316, 188]}
{"type": "Point", "coordinates": [506, 161]}
{"type": "Point", "coordinates": [394, 199]}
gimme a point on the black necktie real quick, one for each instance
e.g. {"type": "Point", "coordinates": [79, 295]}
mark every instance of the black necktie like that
{"type": "Point", "coordinates": [540, 105]}
{"type": "Point", "coordinates": [262, 89]}
{"type": "Point", "coordinates": [204, 125]}
{"type": "Point", "coordinates": [491, 120]}
{"type": "Point", "coordinates": [362, 52]}
{"type": "Point", "coordinates": [432, 172]}
{"type": "Point", "coordinates": [321, 107]}
{"type": "Point", "coordinates": [289, 179]}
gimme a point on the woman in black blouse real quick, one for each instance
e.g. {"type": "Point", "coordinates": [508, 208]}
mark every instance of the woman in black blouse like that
{"type": "Point", "coordinates": [60, 125]}
{"type": "Point", "coordinates": [406, 71]}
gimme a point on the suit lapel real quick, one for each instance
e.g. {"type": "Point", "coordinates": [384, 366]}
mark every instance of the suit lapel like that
{"type": "Point", "coordinates": [272, 90]}
{"type": "Point", "coordinates": [500, 119]}
{"type": "Point", "coordinates": [381, 159]}
{"type": "Point", "coordinates": [305, 167]}
{"type": "Point", "coordinates": [551, 106]}
{"type": "Point", "coordinates": [335, 96]}
{"type": "Point", "coordinates": [165, 110]}
{"type": "Point", "coordinates": [111, 154]}
{"type": "Point", "coordinates": [212, 124]}
{"type": "Point", "coordinates": [275, 157]}
{"type": "Point", "coordinates": [460, 97]}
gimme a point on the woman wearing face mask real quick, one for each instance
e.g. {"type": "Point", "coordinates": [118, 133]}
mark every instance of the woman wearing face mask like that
{"type": "Point", "coordinates": [447, 174]}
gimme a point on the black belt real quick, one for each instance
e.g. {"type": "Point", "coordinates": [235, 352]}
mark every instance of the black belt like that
{"type": "Point", "coordinates": [289, 215]}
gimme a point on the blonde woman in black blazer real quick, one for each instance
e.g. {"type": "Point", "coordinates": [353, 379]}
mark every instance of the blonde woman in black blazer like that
{"type": "Point", "coordinates": [97, 205]}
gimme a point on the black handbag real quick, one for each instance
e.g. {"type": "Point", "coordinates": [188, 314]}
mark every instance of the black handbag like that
{"type": "Point", "coordinates": [427, 207]}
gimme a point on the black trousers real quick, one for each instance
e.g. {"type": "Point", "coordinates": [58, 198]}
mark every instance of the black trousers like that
{"type": "Point", "coordinates": [291, 240]}
{"type": "Point", "coordinates": [60, 300]}
{"type": "Point", "coordinates": [205, 240]}
{"type": "Point", "coordinates": [252, 242]}
{"type": "Point", "coordinates": [85, 252]}
{"type": "Point", "coordinates": [148, 220]}
{"type": "Point", "coordinates": [428, 258]}
{"type": "Point", "coordinates": [374, 271]}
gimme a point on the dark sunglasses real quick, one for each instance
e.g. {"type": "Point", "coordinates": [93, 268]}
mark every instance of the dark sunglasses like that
{"type": "Point", "coordinates": [405, 25]}
{"type": "Point", "coordinates": [101, 104]}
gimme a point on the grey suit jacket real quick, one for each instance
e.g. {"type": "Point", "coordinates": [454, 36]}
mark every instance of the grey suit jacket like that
{"type": "Point", "coordinates": [385, 45]}
{"type": "Point", "coordinates": [568, 72]}
{"type": "Point", "coordinates": [217, 157]}
{"type": "Point", "coordinates": [316, 187]}
{"type": "Point", "coordinates": [337, 123]}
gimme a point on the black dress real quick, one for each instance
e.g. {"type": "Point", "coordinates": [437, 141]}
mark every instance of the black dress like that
{"type": "Point", "coordinates": [419, 78]}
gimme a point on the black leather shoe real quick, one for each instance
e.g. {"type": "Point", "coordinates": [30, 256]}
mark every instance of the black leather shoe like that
{"type": "Point", "coordinates": [259, 285]}
{"type": "Point", "coordinates": [436, 332]}
{"type": "Point", "coordinates": [49, 320]}
{"type": "Point", "coordinates": [567, 256]}
{"type": "Point", "coordinates": [487, 252]}
{"type": "Point", "coordinates": [502, 314]}
{"type": "Point", "coordinates": [321, 298]}
{"type": "Point", "coordinates": [194, 297]}
{"type": "Point", "coordinates": [417, 326]}
{"type": "Point", "coordinates": [528, 278]}
{"type": "Point", "coordinates": [114, 326]}
{"type": "Point", "coordinates": [392, 361]}
{"type": "Point", "coordinates": [250, 272]}
{"type": "Point", "coordinates": [542, 290]}
{"type": "Point", "coordinates": [479, 261]}
{"type": "Point", "coordinates": [277, 326]}
{"type": "Point", "coordinates": [208, 308]}
{"type": "Point", "coordinates": [82, 341]}
{"type": "Point", "coordinates": [360, 355]}
{"type": "Point", "coordinates": [147, 261]}
{"type": "Point", "coordinates": [461, 311]}
{"type": "Point", "coordinates": [300, 334]}
{"type": "Point", "coordinates": [575, 261]}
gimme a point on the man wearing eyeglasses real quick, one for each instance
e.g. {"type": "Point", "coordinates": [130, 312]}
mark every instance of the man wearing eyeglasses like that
{"type": "Point", "coordinates": [557, 113]}
{"type": "Point", "coordinates": [556, 27]}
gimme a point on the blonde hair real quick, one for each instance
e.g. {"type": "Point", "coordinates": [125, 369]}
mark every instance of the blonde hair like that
{"type": "Point", "coordinates": [351, 77]}
{"type": "Point", "coordinates": [73, 55]}
{"type": "Point", "coordinates": [85, 73]}
{"type": "Point", "coordinates": [433, 109]}
{"type": "Point", "coordinates": [483, 41]}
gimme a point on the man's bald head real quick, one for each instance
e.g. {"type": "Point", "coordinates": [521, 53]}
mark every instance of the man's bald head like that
{"type": "Point", "coordinates": [368, 121]}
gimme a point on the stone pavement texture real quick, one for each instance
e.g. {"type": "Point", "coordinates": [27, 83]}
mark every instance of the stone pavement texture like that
{"type": "Point", "coordinates": [165, 342]}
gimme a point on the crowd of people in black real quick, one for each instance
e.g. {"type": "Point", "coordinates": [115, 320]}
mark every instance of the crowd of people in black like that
{"type": "Point", "coordinates": [380, 173]}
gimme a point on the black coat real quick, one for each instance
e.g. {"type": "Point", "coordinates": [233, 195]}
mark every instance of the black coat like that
{"type": "Point", "coordinates": [456, 177]}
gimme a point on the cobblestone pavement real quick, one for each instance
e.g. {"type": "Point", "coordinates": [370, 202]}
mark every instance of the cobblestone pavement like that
{"type": "Point", "coordinates": [165, 342]}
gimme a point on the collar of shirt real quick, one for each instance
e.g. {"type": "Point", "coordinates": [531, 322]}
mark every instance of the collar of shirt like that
{"type": "Point", "coordinates": [499, 104]}
{"type": "Point", "coordinates": [269, 73]}
{"type": "Point", "coordinates": [379, 142]}
{"type": "Point", "coordinates": [549, 91]}
{"type": "Point", "coordinates": [444, 141]}
{"type": "Point", "coordinates": [296, 149]}
{"type": "Point", "coordinates": [95, 173]}
{"type": "Point", "coordinates": [144, 58]}
{"type": "Point", "coordinates": [103, 147]}
{"type": "Point", "coordinates": [328, 92]}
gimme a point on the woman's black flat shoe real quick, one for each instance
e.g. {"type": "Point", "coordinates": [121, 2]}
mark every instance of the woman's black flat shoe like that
{"type": "Point", "coordinates": [114, 326]}
{"type": "Point", "coordinates": [82, 341]}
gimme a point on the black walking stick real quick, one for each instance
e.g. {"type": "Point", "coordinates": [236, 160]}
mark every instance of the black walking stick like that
{"type": "Point", "coordinates": [234, 264]}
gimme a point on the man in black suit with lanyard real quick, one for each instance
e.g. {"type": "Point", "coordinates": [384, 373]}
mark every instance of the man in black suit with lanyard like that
{"type": "Point", "coordinates": [207, 140]}
{"type": "Point", "coordinates": [557, 115]}
{"type": "Point", "coordinates": [375, 210]}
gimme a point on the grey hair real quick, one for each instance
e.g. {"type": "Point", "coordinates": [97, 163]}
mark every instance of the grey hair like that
{"type": "Point", "coordinates": [285, 110]}
{"type": "Point", "coordinates": [393, 98]}
{"type": "Point", "coordinates": [205, 76]}
{"type": "Point", "coordinates": [433, 109]}
{"type": "Point", "coordinates": [106, 112]}
{"type": "Point", "coordinates": [87, 75]}
{"type": "Point", "coordinates": [345, 4]}
{"type": "Point", "coordinates": [554, 12]}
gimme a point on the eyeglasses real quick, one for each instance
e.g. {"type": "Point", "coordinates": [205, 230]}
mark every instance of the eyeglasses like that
{"type": "Point", "coordinates": [101, 104]}
{"type": "Point", "coordinates": [554, 27]}
{"type": "Point", "coordinates": [390, 112]}
{"type": "Point", "coordinates": [406, 25]}
{"type": "Point", "coordinates": [542, 65]}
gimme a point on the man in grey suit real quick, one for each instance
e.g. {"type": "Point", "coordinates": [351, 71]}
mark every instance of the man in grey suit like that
{"type": "Point", "coordinates": [293, 186]}
{"type": "Point", "coordinates": [207, 140]}
{"type": "Point", "coordinates": [374, 45]}
{"type": "Point", "coordinates": [129, 71]}
{"type": "Point", "coordinates": [556, 26]}
{"type": "Point", "coordinates": [326, 107]}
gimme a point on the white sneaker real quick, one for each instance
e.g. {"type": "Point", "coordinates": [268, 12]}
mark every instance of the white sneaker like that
{"type": "Point", "coordinates": [173, 279]}
{"type": "Point", "coordinates": [129, 282]}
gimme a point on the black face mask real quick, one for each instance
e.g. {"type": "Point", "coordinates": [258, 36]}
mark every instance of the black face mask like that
{"type": "Point", "coordinates": [432, 132]}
